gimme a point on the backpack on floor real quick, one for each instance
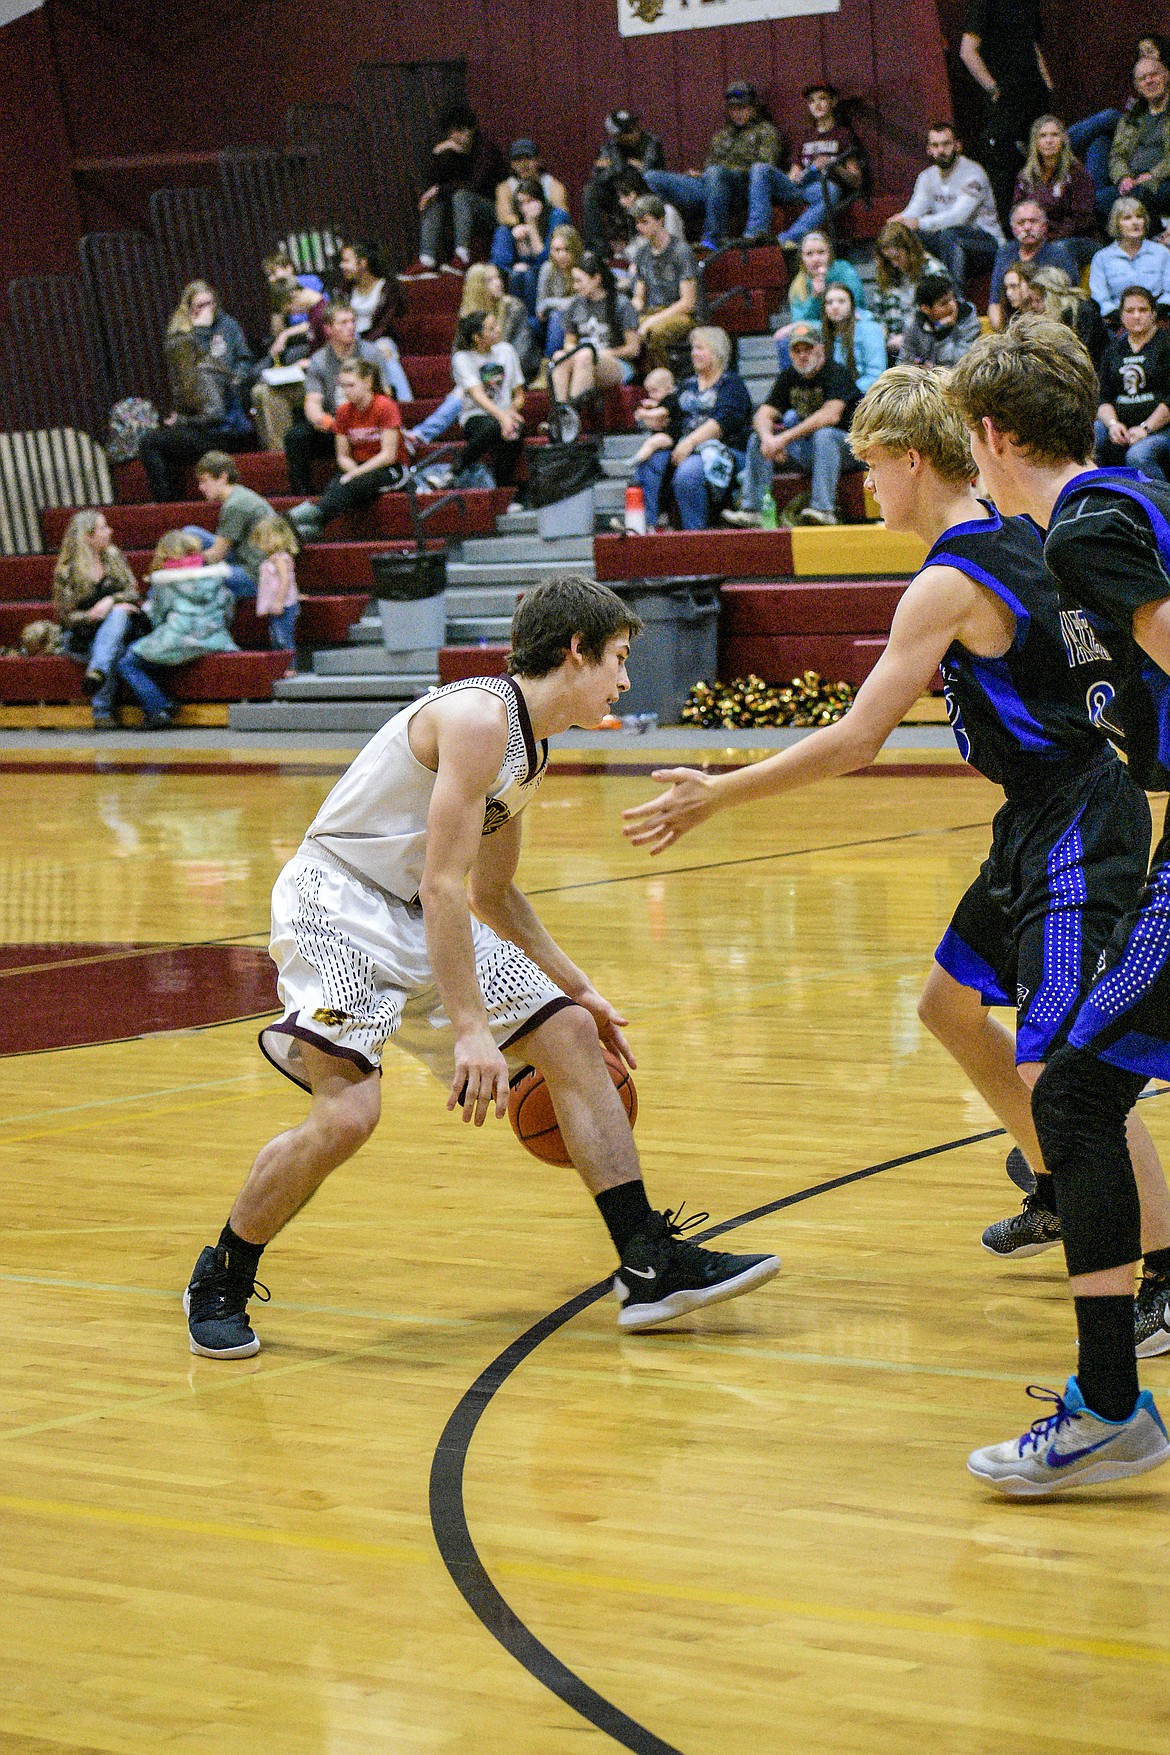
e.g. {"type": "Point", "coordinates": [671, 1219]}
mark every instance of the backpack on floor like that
{"type": "Point", "coordinates": [130, 420]}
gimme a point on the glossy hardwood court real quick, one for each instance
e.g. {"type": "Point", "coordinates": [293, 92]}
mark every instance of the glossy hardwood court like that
{"type": "Point", "coordinates": [747, 1534]}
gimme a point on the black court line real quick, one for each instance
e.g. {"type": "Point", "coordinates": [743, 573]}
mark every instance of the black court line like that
{"type": "Point", "coordinates": [449, 1514]}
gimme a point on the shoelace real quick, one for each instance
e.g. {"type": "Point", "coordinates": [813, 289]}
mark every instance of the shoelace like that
{"type": "Point", "coordinates": [676, 1224]}
{"type": "Point", "coordinates": [217, 1298]}
{"type": "Point", "coordinates": [1048, 1427]}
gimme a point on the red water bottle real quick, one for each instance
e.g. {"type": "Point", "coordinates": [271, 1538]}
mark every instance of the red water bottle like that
{"type": "Point", "coordinates": [635, 511]}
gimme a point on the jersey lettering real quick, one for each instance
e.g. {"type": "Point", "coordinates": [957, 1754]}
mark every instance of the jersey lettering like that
{"type": "Point", "coordinates": [955, 719]}
{"type": "Point", "coordinates": [1080, 639]}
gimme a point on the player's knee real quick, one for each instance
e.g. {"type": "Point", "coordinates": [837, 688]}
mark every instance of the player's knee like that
{"type": "Point", "coordinates": [945, 1007]}
{"type": "Point", "coordinates": [567, 1046]}
{"type": "Point", "coordinates": [1079, 1109]}
{"type": "Point", "coordinates": [350, 1119]}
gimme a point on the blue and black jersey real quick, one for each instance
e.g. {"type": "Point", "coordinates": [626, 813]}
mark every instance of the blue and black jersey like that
{"type": "Point", "coordinates": [1108, 548]}
{"type": "Point", "coordinates": [1019, 717]}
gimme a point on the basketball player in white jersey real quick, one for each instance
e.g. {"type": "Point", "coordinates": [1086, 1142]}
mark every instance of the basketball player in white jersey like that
{"type": "Point", "coordinates": [399, 920]}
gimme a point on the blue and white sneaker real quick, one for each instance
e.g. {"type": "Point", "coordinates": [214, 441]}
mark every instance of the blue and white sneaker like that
{"type": "Point", "coordinates": [1073, 1447]}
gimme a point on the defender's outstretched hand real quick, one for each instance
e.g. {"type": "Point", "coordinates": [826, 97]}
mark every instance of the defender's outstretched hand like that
{"type": "Point", "coordinates": [658, 825]}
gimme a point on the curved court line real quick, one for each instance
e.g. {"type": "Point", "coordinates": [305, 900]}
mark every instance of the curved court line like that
{"type": "Point", "coordinates": [449, 1513]}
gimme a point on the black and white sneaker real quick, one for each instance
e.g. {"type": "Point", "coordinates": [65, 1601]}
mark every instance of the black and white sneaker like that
{"type": "Point", "coordinates": [216, 1306]}
{"type": "Point", "coordinates": [662, 1276]}
{"type": "Point", "coordinates": [1030, 1231]}
{"type": "Point", "coordinates": [1151, 1316]}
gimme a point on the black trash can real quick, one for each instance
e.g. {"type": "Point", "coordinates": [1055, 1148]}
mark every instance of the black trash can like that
{"type": "Point", "coordinates": [678, 645]}
{"type": "Point", "coordinates": [560, 488]}
{"type": "Point", "coordinates": [411, 593]}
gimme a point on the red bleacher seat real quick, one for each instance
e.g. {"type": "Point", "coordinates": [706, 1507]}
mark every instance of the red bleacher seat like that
{"type": "Point", "coordinates": [429, 373]}
{"type": "Point", "coordinates": [850, 493]}
{"type": "Point", "coordinates": [845, 606]}
{"type": "Point", "coordinates": [458, 662]}
{"type": "Point", "coordinates": [759, 267]}
{"type": "Point", "coordinates": [779, 657]}
{"type": "Point", "coordinates": [218, 676]}
{"type": "Point", "coordinates": [736, 554]}
{"type": "Point", "coordinates": [443, 293]}
{"type": "Point", "coordinates": [427, 332]}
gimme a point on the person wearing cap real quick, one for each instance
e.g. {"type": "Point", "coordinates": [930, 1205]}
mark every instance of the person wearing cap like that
{"type": "Point", "coordinates": [943, 326]}
{"type": "Point", "coordinates": [626, 146]}
{"type": "Point", "coordinates": [748, 137]}
{"type": "Point", "coordinates": [803, 422]}
{"type": "Point", "coordinates": [524, 158]}
{"type": "Point", "coordinates": [832, 165]}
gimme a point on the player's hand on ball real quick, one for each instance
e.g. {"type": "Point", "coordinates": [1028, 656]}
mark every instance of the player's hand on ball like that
{"type": "Point", "coordinates": [481, 1077]}
{"type": "Point", "coordinates": [609, 1023]}
{"type": "Point", "coordinates": [658, 825]}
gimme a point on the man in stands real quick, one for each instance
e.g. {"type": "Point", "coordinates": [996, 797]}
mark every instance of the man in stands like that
{"type": "Point", "coordinates": [240, 510]}
{"type": "Point", "coordinates": [626, 146]}
{"type": "Point", "coordinates": [311, 434]}
{"type": "Point", "coordinates": [803, 422]}
{"type": "Point", "coordinates": [466, 169]}
{"type": "Point", "coordinates": [831, 165]}
{"type": "Point", "coordinates": [747, 138]}
{"type": "Point", "coordinates": [953, 207]}
{"type": "Point", "coordinates": [666, 282]}
{"type": "Point", "coordinates": [1029, 242]}
{"type": "Point", "coordinates": [1139, 160]}
{"type": "Point", "coordinates": [943, 326]}
{"type": "Point", "coordinates": [524, 158]}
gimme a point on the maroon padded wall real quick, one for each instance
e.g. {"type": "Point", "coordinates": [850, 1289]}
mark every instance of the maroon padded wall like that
{"type": "Point", "coordinates": [39, 220]}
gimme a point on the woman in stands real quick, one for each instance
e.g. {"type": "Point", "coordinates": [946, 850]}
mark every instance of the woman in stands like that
{"type": "Point", "coordinates": [487, 372]}
{"type": "Point", "coordinates": [483, 290]}
{"type": "Point", "coordinates": [1060, 184]}
{"type": "Point", "coordinates": [520, 251]}
{"type": "Point", "coordinates": [1132, 259]}
{"type": "Point", "coordinates": [900, 261]}
{"type": "Point", "coordinates": [717, 422]}
{"type": "Point", "coordinates": [819, 268]}
{"type": "Point", "coordinates": [604, 317]}
{"type": "Point", "coordinates": [95, 596]}
{"type": "Point", "coordinates": [853, 338]}
{"type": "Point", "coordinates": [554, 287]}
{"type": "Point", "coordinates": [377, 302]}
{"type": "Point", "coordinates": [1015, 293]}
{"type": "Point", "coordinates": [189, 607]}
{"type": "Point", "coordinates": [210, 368]}
{"type": "Point", "coordinates": [1047, 293]}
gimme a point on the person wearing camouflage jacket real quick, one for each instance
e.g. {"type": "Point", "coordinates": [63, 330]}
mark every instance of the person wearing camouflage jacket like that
{"type": "Point", "coordinates": [747, 138]}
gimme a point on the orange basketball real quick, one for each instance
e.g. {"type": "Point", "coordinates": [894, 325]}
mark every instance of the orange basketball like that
{"type": "Point", "coordinates": [534, 1120]}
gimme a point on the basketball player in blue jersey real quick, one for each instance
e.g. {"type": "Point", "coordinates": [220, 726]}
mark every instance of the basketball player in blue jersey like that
{"type": "Point", "coordinates": [1028, 398]}
{"type": "Point", "coordinates": [1025, 685]}
{"type": "Point", "coordinates": [399, 921]}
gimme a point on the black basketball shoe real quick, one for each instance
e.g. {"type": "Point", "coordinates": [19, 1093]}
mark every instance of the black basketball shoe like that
{"type": "Point", "coordinates": [216, 1303]}
{"type": "Point", "coordinates": [1033, 1229]}
{"type": "Point", "coordinates": [1151, 1316]}
{"type": "Point", "coordinates": [662, 1276]}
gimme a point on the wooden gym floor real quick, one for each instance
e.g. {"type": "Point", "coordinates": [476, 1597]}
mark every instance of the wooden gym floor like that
{"type": "Point", "coordinates": [749, 1533]}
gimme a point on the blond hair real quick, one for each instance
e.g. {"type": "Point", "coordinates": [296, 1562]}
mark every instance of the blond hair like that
{"type": "Point", "coordinates": [1032, 174]}
{"type": "Point", "coordinates": [173, 545]}
{"type": "Point", "coordinates": [716, 341]}
{"type": "Point", "coordinates": [896, 234]}
{"type": "Point", "coordinates": [1036, 383]}
{"type": "Point", "coordinates": [70, 585]}
{"type": "Point", "coordinates": [274, 536]}
{"type": "Point", "coordinates": [180, 323]}
{"type": "Point", "coordinates": [572, 239]}
{"type": "Point", "coordinates": [1122, 208]}
{"type": "Point", "coordinates": [476, 296]}
{"type": "Point", "coordinates": [906, 409]}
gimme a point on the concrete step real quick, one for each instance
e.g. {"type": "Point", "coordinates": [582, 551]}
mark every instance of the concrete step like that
{"type": "Point", "coordinates": [349, 716]}
{"type": "Point", "coordinates": [619, 468]}
{"type": "Point", "coordinates": [516, 572]}
{"type": "Point", "coordinates": [490, 629]}
{"type": "Point", "coordinates": [495, 600]}
{"type": "Point", "coordinates": [756, 352]}
{"type": "Point", "coordinates": [620, 444]}
{"type": "Point", "coordinates": [497, 550]}
{"type": "Point", "coordinates": [372, 660]}
{"type": "Point", "coordinates": [384, 686]}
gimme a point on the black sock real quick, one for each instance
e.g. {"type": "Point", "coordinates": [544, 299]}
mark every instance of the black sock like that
{"type": "Point", "coordinates": [625, 1210]}
{"type": "Point", "coordinates": [1045, 1191]}
{"type": "Point", "coordinates": [1107, 1366]}
{"type": "Point", "coordinates": [240, 1253]}
{"type": "Point", "coordinates": [1157, 1261]}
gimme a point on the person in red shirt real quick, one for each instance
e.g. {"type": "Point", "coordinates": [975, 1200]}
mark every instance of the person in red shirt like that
{"type": "Point", "coordinates": [368, 432]}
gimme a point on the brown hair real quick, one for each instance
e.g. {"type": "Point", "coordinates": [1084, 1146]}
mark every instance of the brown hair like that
{"type": "Point", "coordinates": [218, 464]}
{"type": "Point", "coordinates": [550, 614]}
{"type": "Point", "coordinates": [361, 369]}
{"type": "Point", "coordinates": [1036, 383]}
{"type": "Point", "coordinates": [896, 234]}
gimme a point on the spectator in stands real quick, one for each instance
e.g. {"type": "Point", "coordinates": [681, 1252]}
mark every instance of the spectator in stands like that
{"type": "Point", "coordinates": [803, 421]}
{"type": "Point", "coordinates": [189, 607]}
{"type": "Point", "coordinates": [240, 511]}
{"type": "Point", "coordinates": [1062, 186]}
{"type": "Point", "coordinates": [1133, 421]}
{"type": "Point", "coordinates": [1048, 292]}
{"type": "Point", "coordinates": [832, 165]}
{"type": "Point", "coordinates": [276, 595]}
{"type": "Point", "coordinates": [377, 305]}
{"type": "Point", "coordinates": [819, 269]}
{"type": "Point", "coordinates": [525, 160]}
{"type": "Point", "coordinates": [95, 596]}
{"type": "Point", "coordinates": [520, 251]}
{"type": "Point", "coordinates": [466, 170]}
{"type": "Point", "coordinates": [1000, 48]}
{"type": "Point", "coordinates": [900, 261]}
{"type": "Point", "coordinates": [1132, 259]}
{"type": "Point", "coordinates": [666, 282]}
{"type": "Point", "coordinates": [943, 326]}
{"type": "Point", "coordinates": [1015, 294]}
{"type": "Point", "coordinates": [1092, 137]}
{"type": "Point", "coordinates": [608, 322]}
{"type": "Point", "coordinates": [311, 435]}
{"type": "Point", "coordinates": [554, 288]}
{"type": "Point", "coordinates": [748, 137]}
{"type": "Point", "coordinates": [483, 290]}
{"type": "Point", "coordinates": [296, 300]}
{"type": "Point", "coordinates": [716, 422]}
{"type": "Point", "coordinates": [209, 366]}
{"type": "Point", "coordinates": [853, 339]}
{"type": "Point", "coordinates": [631, 185]}
{"type": "Point", "coordinates": [626, 146]}
{"type": "Point", "coordinates": [1029, 243]}
{"type": "Point", "coordinates": [953, 207]}
{"type": "Point", "coordinates": [367, 431]}
{"type": "Point", "coordinates": [487, 371]}
{"type": "Point", "coordinates": [1139, 159]}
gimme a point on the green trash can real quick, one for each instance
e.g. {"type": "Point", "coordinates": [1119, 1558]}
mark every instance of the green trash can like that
{"type": "Point", "coordinates": [411, 593]}
{"type": "Point", "coordinates": [678, 645]}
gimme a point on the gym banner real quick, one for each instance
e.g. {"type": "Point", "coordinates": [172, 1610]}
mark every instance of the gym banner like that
{"type": "Point", "coordinates": [640, 18]}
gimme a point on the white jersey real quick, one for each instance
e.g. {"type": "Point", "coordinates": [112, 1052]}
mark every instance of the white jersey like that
{"type": "Point", "coordinates": [374, 822]}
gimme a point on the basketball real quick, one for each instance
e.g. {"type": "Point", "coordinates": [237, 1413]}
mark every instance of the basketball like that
{"type": "Point", "coordinates": [534, 1120]}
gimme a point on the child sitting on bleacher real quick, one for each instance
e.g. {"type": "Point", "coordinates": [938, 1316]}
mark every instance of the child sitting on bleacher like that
{"type": "Point", "coordinates": [190, 606]}
{"type": "Point", "coordinates": [276, 594]}
{"type": "Point", "coordinates": [660, 398]}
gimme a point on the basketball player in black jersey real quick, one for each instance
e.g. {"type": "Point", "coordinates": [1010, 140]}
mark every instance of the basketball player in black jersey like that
{"type": "Point", "coordinates": [1028, 400]}
{"type": "Point", "coordinates": [1024, 685]}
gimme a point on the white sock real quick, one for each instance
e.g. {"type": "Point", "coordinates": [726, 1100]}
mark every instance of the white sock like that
{"type": "Point", "coordinates": [427, 261]}
{"type": "Point", "coordinates": [463, 253]}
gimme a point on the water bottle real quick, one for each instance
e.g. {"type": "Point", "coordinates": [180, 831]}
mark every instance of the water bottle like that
{"type": "Point", "coordinates": [769, 517]}
{"type": "Point", "coordinates": [635, 511]}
